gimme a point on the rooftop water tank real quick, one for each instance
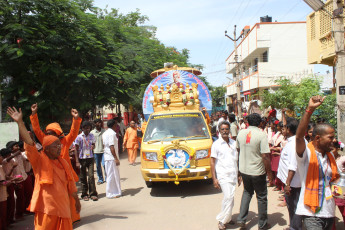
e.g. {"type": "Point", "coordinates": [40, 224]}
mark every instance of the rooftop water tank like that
{"type": "Point", "coordinates": [266, 19]}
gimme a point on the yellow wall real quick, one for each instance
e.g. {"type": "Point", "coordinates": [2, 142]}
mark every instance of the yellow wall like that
{"type": "Point", "coordinates": [319, 36]}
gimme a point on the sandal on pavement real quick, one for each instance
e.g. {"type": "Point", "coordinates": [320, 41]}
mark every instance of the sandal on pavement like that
{"type": "Point", "coordinates": [221, 226]}
{"type": "Point", "coordinates": [94, 198]}
{"type": "Point", "coordinates": [231, 222]}
{"type": "Point", "coordinates": [267, 226]}
{"type": "Point", "coordinates": [86, 198]}
{"type": "Point", "coordinates": [241, 225]}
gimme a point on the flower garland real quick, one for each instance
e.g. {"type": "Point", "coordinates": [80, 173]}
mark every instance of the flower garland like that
{"type": "Point", "coordinates": [161, 97]}
{"type": "Point", "coordinates": [177, 173]}
{"type": "Point", "coordinates": [184, 96]}
{"type": "Point", "coordinates": [168, 98]}
{"type": "Point", "coordinates": [191, 95]}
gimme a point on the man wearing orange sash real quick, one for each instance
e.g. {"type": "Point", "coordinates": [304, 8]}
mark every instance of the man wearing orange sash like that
{"type": "Point", "coordinates": [66, 141]}
{"type": "Point", "coordinates": [130, 141]}
{"type": "Point", "coordinates": [317, 169]}
{"type": "Point", "coordinates": [54, 184]}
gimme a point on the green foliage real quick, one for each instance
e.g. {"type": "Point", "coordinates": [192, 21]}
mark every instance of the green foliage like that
{"type": "Point", "coordinates": [307, 88]}
{"type": "Point", "coordinates": [295, 97]}
{"type": "Point", "coordinates": [68, 53]}
{"type": "Point", "coordinates": [283, 97]}
{"type": "Point", "coordinates": [328, 110]}
{"type": "Point", "coordinates": [217, 94]}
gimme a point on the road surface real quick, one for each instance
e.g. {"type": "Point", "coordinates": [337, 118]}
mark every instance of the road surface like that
{"type": "Point", "coordinates": [190, 205]}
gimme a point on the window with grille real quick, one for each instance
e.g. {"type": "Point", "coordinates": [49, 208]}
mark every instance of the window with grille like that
{"type": "Point", "coordinates": [325, 19]}
{"type": "Point", "coordinates": [312, 27]}
{"type": "Point", "coordinates": [265, 57]}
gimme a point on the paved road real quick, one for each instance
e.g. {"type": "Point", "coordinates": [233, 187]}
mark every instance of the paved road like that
{"type": "Point", "coordinates": [191, 205]}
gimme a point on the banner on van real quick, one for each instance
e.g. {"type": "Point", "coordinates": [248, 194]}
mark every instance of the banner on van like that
{"type": "Point", "coordinates": [177, 77]}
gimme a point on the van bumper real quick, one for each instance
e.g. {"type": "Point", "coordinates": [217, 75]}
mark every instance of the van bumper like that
{"type": "Point", "coordinates": [160, 175]}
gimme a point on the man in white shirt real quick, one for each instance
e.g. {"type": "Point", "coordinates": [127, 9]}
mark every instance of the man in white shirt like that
{"type": "Point", "coordinates": [224, 117]}
{"type": "Point", "coordinates": [111, 159]}
{"type": "Point", "coordinates": [317, 168]}
{"type": "Point", "coordinates": [224, 168]}
{"type": "Point", "coordinates": [288, 173]}
{"type": "Point", "coordinates": [233, 126]}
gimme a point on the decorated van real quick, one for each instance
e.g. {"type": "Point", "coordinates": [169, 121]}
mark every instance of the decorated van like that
{"type": "Point", "coordinates": [176, 144]}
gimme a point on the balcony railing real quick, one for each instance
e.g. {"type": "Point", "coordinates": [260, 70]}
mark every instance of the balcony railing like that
{"type": "Point", "coordinates": [250, 70]}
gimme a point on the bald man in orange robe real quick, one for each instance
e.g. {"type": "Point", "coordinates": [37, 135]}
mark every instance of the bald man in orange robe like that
{"type": "Point", "coordinates": [54, 184]}
{"type": "Point", "coordinates": [66, 141]}
{"type": "Point", "coordinates": [130, 142]}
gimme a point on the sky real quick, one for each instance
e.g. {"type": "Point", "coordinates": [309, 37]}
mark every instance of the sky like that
{"type": "Point", "coordinates": [199, 25]}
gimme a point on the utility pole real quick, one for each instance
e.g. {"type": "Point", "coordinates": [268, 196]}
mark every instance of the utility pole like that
{"type": "Point", "coordinates": [238, 73]}
{"type": "Point", "coordinates": [338, 27]}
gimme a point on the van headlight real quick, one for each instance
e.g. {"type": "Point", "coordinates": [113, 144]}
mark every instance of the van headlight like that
{"type": "Point", "coordinates": [200, 154]}
{"type": "Point", "coordinates": [150, 156]}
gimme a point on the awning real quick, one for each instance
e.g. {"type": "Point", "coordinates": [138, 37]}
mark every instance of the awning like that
{"type": "Point", "coordinates": [246, 93]}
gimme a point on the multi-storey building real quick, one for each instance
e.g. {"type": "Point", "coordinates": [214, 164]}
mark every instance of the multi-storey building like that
{"type": "Point", "coordinates": [320, 40]}
{"type": "Point", "coordinates": [267, 51]}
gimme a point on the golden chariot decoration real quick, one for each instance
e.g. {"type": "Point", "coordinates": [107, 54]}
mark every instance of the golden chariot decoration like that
{"type": "Point", "coordinates": [175, 97]}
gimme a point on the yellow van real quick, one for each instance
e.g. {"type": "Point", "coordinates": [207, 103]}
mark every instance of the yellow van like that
{"type": "Point", "coordinates": [176, 145]}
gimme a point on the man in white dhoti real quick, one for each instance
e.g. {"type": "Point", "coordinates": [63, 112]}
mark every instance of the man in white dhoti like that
{"type": "Point", "coordinates": [224, 168]}
{"type": "Point", "coordinates": [111, 159]}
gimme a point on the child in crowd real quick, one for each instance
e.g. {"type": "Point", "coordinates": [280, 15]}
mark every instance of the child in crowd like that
{"type": "Point", "coordinates": [309, 134]}
{"type": "Point", "coordinates": [276, 148]}
{"type": "Point", "coordinates": [271, 131]}
{"type": "Point", "coordinates": [4, 182]}
{"type": "Point", "coordinates": [8, 165]}
{"type": "Point", "coordinates": [341, 168]}
{"type": "Point", "coordinates": [18, 185]}
{"type": "Point", "coordinates": [28, 188]}
{"type": "Point", "coordinates": [84, 144]}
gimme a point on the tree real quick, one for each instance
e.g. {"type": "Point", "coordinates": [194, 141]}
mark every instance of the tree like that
{"type": "Point", "coordinates": [68, 53]}
{"type": "Point", "coordinates": [295, 97]}
{"type": "Point", "coordinates": [217, 94]}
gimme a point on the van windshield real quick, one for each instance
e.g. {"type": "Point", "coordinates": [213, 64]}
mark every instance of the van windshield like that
{"type": "Point", "coordinates": [180, 125]}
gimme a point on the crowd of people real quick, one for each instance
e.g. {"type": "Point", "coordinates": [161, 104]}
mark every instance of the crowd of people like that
{"type": "Point", "coordinates": [299, 159]}
{"type": "Point", "coordinates": [38, 174]}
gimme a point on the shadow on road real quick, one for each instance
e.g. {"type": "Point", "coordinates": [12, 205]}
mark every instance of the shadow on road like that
{"type": "Point", "coordinates": [125, 192]}
{"type": "Point", "coordinates": [184, 189]}
{"type": "Point", "coordinates": [253, 219]}
{"type": "Point", "coordinates": [94, 218]}
{"type": "Point", "coordinates": [131, 191]}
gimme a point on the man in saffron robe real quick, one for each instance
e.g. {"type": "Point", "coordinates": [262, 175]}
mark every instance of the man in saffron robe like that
{"type": "Point", "coordinates": [54, 184]}
{"type": "Point", "coordinates": [130, 141]}
{"type": "Point", "coordinates": [66, 141]}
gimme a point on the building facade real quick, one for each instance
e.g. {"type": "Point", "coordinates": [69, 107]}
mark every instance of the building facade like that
{"type": "Point", "coordinates": [320, 40]}
{"type": "Point", "coordinates": [267, 52]}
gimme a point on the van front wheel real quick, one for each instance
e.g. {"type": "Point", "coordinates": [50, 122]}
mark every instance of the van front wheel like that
{"type": "Point", "coordinates": [149, 184]}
